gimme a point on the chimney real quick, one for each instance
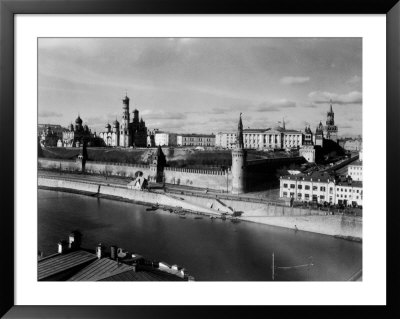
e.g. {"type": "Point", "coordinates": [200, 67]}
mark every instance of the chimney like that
{"type": "Point", "coordinates": [113, 249]}
{"type": "Point", "coordinates": [100, 250]}
{"type": "Point", "coordinates": [75, 239]}
{"type": "Point", "coordinates": [62, 246]}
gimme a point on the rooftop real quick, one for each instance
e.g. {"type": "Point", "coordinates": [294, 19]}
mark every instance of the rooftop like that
{"type": "Point", "coordinates": [356, 163]}
{"type": "Point", "coordinates": [142, 274]}
{"type": "Point", "coordinates": [349, 183]}
{"type": "Point", "coordinates": [197, 135]}
{"type": "Point", "coordinates": [313, 176]}
{"type": "Point", "coordinates": [100, 268]}
{"type": "Point", "coordinates": [59, 263]}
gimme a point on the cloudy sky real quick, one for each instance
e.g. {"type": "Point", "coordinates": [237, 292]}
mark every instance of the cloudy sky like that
{"type": "Point", "coordinates": [201, 85]}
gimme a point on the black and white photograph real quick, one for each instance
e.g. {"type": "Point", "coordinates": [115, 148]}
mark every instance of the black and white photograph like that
{"type": "Point", "coordinates": [200, 159]}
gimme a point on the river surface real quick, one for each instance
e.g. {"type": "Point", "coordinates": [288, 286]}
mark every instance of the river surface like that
{"type": "Point", "coordinates": [210, 250]}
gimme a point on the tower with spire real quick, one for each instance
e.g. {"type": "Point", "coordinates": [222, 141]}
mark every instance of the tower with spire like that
{"type": "Point", "coordinates": [239, 155]}
{"type": "Point", "coordinates": [330, 130]}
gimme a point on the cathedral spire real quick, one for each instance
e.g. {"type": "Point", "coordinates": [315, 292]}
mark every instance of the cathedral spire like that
{"type": "Point", "coordinates": [331, 110]}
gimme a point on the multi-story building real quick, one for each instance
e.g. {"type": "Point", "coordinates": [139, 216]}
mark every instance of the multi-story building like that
{"type": "Point", "coordinates": [207, 140]}
{"type": "Point", "coordinates": [165, 139]}
{"type": "Point", "coordinates": [271, 138]}
{"type": "Point", "coordinates": [355, 169]}
{"type": "Point", "coordinates": [349, 192]}
{"type": "Point", "coordinates": [321, 187]}
{"type": "Point", "coordinates": [317, 187]}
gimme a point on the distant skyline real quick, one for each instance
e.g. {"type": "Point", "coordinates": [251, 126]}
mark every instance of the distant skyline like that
{"type": "Point", "coordinates": [200, 85]}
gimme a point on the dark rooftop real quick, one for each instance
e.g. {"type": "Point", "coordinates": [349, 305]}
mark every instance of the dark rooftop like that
{"type": "Point", "coordinates": [143, 274]}
{"type": "Point", "coordinates": [349, 183]}
{"type": "Point", "coordinates": [58, 263]}
{"type": "Point", "coordinates": [314, 176]}
{"type": "Point", "coordinates": [100, 268]}
{"type": "Point", "coordinates": [356, 163]}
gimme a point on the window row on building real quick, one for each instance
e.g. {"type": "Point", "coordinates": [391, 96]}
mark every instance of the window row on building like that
{"type": "Point", "coordinates": [320, 188]}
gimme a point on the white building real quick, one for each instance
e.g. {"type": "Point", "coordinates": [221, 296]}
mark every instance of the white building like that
{"type": "Point", "coordinates": [349, 193]}
{"type": "Point", "coordinates": [317, 187]}
{"type": "Point", "coordinates": [207, 140]}
{"type": "Point", "coordinates": [165, 139]}
{"type": "Point", "coordinates": [261, 139]}
{"type": "Point", "coordinates": [354, 170]}
{"type": "Point", "coordinates": [321, 187]}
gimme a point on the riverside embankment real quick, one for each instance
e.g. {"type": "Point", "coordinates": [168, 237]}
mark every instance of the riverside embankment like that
{"type": "Point", "coordinates": [263, 213]}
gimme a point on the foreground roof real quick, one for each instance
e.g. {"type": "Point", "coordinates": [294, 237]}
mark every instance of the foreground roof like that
{"type": "Point", "coordinates": [59, 263]}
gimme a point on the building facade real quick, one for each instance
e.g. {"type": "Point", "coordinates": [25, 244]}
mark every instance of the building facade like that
{"type": "Point", "coordinates": [165, 139]}
{"type": "Point", "coordinates": [355, 170]}
{"type": "Point", "coordinates": [205, 140]}
{"type": "Point", "coordinates": [261, 139]}
{"type": "Point", "coordinates": [321, 187]}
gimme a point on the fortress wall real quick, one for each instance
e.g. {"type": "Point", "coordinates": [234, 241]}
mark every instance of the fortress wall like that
{"type": "Point", "coordinates": [116, 169]}
{"type": "Point", "coordinates": [66, 165]}
{"type": "Point", "coordinates": [216, 180]}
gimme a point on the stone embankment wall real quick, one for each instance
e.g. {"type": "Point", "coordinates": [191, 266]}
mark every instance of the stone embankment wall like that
{"type": "Point", "coordinates": [124, 193]}
{"type": "Point", "coordinates": [264, 213]}
{"type": "Point", "coordinates": [271, 214]}
{"type": "Point", "coordinates": [216, 180]}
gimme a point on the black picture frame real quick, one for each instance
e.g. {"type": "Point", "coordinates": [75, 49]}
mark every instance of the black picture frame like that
{"type": "Point", "coordinates": [9, 8]}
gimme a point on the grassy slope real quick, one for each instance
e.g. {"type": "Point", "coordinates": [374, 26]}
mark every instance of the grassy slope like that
{"type": "Point", "coordinates": [175, 157]}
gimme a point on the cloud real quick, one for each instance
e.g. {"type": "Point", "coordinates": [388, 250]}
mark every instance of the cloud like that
{"type": "Point", "coordinates": [292, 80]}
{"type": "Point", "coordinates": [163, 115]}
{"type": "Point", "coordinates": [275, 106]}
{"type": "Point", "coordinates": [49, 114]}
{"type": "Point", "coordinates": [318, 97]}
{"type": "Point", "coordinates": [354, 80]}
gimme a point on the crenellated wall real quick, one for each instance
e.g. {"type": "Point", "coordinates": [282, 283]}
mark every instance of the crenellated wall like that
{"type": "Point", "coordinates": [216, 180]}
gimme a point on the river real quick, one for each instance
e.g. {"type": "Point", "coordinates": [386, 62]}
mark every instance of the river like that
{"type": "Point", "coordinates": [210, 250]}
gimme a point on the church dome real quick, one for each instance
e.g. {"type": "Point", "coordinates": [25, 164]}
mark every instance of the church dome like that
{"type": "Point", "coordinates": [108, 125]}
{"type": "Point", "coordinates": [115, 123]}
{"type": "Point", "coordinates": [78, 120]}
